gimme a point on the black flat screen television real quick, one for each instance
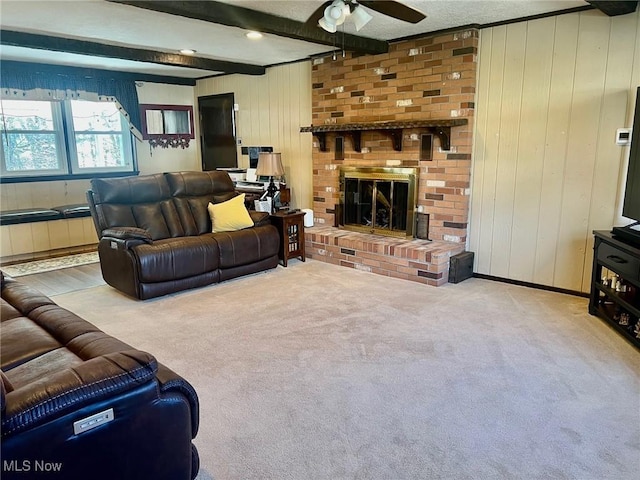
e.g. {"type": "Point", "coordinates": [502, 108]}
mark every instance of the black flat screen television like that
{"type": "Point", "coordinates": [631, 205]}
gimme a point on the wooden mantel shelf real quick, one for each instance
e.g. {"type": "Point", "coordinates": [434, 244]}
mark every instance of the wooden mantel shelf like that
{"type": "Point", "coordinates": [440, 128]}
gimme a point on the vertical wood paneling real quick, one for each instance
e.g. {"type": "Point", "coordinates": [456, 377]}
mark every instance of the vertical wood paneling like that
{"type": "Point", "coordinates": [532, 133]}
{"type": "Point", "coordinates": [588, 89]}
{"type": "Point", "coordinates": [58, 234]}
{"type": "Point", "coordinates": [40, 235]}
{"type": "Point", "coordinates": [553, 174]}
{"type": "Point", "coordinates": [8, 196]}
{"type": "Point", "coordinates": [510, 103]}
{"type": "Point", "coordinates": [563, 55]}
{"type": "Point", "coordinates": [6, 247]}
{"type": "Point", "coordinates": [273, 107]}
{"type": "Point", "coordinates": [21, 238]}
{"type": "Point", "coordinates": [301, 172]}
{"type": "Point", "coordinates": [90, 234]}
{"type": "Point", "coordinates": [488, 149]}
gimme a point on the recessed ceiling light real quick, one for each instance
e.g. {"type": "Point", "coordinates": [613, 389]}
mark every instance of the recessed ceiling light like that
{"type": "Point", "coordinates": [187, 51]}
{"type": "Point", "coordinates": [254, 35]}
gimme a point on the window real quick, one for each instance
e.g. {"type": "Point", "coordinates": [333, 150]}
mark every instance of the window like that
{"type": "Point", "coordinates": [71, 137]}
{"type": "Point", "coordinates": [32, 139]}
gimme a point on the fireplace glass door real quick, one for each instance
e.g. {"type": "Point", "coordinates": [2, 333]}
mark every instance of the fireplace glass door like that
{"type": "Point", "coordinates": [376, 205]}
{"type": "Point", "coordinates": [379, 200]}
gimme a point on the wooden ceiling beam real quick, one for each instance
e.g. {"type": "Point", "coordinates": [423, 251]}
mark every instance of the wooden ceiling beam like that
{"type": "Point", "coordinates": [234, 16]}
{"type": "Point", "coordinates": [82, 47]}
{"type": "Point", "coordinates": [48, 69]}
{"type": "Point", "coordinates": [615, 7]}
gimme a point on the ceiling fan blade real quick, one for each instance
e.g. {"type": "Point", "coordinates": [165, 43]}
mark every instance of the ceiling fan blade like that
{"type": "Point", "coordinates": [395, 10]}
{"type": "Point", "coordinates": [312, 21]}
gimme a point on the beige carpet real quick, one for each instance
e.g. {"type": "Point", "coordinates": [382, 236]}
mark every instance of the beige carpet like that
{"type": "Point", "coordinates": [324, 372]}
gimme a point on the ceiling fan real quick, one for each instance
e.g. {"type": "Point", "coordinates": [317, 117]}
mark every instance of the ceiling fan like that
{"type": "Point", "coordinates": [334, 12]}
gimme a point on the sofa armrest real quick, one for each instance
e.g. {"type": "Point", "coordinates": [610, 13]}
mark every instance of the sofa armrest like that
{"type": "Point", "coordinates": [172, 382]}
{"type": "Point", "coordinates": [5, 387]}
{"type": "Point", "coordinates": [260, 218]}
{"type": "Point", "coordinates": [51, 397]}
{"type": "Point", "coordinates": [124, 238]}
{"type": "Point", "coordinates": [128, 233]}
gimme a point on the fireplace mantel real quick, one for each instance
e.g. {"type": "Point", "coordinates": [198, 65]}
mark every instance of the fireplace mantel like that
{"type": "Point", "coordinates": [440, 128]}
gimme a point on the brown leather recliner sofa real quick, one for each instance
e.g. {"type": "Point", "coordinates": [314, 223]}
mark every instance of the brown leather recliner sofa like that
{"type": "Point", "coordinates": [79, 404]}
{"type": "Point", "coordinates": [155, 233]}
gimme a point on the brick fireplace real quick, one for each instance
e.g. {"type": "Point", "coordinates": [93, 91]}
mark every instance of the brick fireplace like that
{"type": "Point", "coordinates": [402, 108]}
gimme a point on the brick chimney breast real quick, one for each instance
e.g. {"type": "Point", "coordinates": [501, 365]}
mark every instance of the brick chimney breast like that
{"type": "Point", "coordinates": [427, 78]}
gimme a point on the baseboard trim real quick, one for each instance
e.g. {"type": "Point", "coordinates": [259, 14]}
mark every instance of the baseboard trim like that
{"type": "Point", "coordinates": [532, 285]}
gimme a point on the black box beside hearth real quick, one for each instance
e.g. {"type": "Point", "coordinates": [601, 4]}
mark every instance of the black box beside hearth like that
{"type": "Point", "coordinates": [460, 267]}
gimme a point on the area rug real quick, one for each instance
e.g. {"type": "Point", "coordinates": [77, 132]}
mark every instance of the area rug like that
{"type": "Point", "coordinates": [50, 264]}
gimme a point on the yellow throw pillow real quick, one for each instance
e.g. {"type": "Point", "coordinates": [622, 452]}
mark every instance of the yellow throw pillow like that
{"type": "Point", "coordinates": [229, 216]}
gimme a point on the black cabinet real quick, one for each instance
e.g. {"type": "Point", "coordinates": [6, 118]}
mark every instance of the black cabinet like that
{"type": "Point", "coordinates": [615, 285]}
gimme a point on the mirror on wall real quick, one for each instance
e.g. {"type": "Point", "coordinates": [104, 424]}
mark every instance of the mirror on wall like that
{"type": "Point", "coordinates": [167, 125]}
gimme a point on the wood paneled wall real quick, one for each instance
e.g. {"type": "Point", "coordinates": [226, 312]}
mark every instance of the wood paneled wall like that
{"type": "Point", "coordinates": [29, 238]}
{"type": "Point", "coordinates": [272, 108]}
{"type": "Point", "coordinates": [546, 170]}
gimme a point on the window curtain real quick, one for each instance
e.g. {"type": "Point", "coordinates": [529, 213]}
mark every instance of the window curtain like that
{"type": "Point", "coordinates": [34, 83]}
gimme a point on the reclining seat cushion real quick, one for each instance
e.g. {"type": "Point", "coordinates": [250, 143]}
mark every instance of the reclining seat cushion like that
{"type": "Point", "coordinates": [175, 259]}
{"type": "Point", "coordinates": [192, 192]}
{"type": "Point", "coordinates": [247, 246]}
{"type": "Point", "coordinates": [143, 202]}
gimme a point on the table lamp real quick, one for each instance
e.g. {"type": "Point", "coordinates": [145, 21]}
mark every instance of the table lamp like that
{"type": "Point", "coordinates": [270, 165]}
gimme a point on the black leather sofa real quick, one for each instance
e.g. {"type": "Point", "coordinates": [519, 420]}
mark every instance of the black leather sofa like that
{"type": "Point", "coordinates": [79, 404]}
{"type": "Point", "coordinates": [155, 233]}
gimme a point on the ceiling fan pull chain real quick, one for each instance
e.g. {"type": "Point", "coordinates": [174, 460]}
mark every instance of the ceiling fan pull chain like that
{"type": "Point", "coordinates": [344, 54]}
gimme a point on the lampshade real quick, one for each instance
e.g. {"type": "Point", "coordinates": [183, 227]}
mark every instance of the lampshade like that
{"type": "Point", "coordinates": [334, 15]}
{"type": "Point", "coordinates": [360, 17]}
{"type": "Point", "coordinates": [329, 27]}
{"type": "Point", "coordinates": [269, 165]}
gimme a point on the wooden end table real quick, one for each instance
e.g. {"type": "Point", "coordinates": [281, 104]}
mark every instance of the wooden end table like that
{"type": "Point", "coordinates": [291, 228]}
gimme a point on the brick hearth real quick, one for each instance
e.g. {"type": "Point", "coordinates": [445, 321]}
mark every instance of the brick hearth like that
{"type": "Point", "coordinates": [417, 260]}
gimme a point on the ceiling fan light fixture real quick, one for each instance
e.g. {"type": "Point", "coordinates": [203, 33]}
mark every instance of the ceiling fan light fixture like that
{"type": "Point", "coordinates": [334, 15]}
{"type": "Point", "coordinates": [328, 26]}
{"type": "Point", "coordinates": [360, 17]}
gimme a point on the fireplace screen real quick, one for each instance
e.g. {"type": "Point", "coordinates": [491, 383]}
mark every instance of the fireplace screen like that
{"type": "Point", "coordinates": [378, 200]}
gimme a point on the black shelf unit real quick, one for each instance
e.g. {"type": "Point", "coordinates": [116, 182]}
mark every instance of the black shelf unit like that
{"type": "Point", "coordinates": [622, 259]}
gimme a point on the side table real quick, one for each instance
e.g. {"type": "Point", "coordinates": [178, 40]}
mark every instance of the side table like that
{"type": "Point", "coordinates": [291, 228]}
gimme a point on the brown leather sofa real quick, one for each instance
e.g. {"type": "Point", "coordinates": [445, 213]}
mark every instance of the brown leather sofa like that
{"type": "Point", "coordinates": [78, 404]}
{"type": "Point", "coordinates": [155, 233]}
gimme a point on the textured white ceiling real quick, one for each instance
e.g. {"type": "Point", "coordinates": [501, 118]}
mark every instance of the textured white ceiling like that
{"type": "Point", "coordinates": [441, 14]}
{"type": "Point", "coordinates": [124, 25]}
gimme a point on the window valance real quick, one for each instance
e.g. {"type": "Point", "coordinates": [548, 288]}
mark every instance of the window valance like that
{"type": "Point", "coordinates": [17, 80]}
